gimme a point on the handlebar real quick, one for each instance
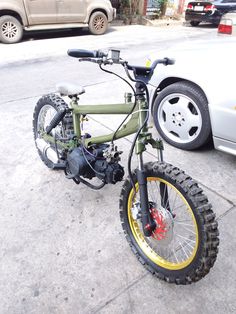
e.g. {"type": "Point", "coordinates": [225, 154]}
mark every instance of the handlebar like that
{"type": "Point", "coordinates": [82, 53]}
{"type": "Point", "coordinates": [113, 56]}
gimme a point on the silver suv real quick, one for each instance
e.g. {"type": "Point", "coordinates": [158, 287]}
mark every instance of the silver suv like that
{"type": "Point", "coordinates": [17, 16]}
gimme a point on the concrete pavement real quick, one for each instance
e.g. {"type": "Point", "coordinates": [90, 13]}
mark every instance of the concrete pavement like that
{"type": "Point", "coordinates": [57, 43]}
{"type": "Point", "coordinates": [62, 246]}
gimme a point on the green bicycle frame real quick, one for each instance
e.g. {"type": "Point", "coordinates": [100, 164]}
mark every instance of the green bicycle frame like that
{"type": "Point", "coordinates": [124, 108]}
{"type": "Point", "coordinates": [135, 121]}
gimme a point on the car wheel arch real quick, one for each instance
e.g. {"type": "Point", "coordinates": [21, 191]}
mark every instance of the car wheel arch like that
{"type": "Point", "coordinates": [169, 81]}
{"type": "Point", "coordinates": [13, 14]}
{"type": "Point", "coordinates": [98, 10]}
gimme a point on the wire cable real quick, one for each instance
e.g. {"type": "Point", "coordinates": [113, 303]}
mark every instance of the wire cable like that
{"type": "Point", "coordinates": [110, 72]}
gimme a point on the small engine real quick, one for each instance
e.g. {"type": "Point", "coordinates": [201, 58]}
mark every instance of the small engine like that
{"type": "Point", "coordinates": [99, 161]}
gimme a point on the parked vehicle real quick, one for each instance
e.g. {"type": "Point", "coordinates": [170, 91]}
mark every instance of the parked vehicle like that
{"type": "Point", "coordinates": [208, 11]}
{"type": "Point", "coordinates": [227, 24]}
{"type": "Point", "coordinates": [194, 100]}
{"type": "Point", "coordinates": [166, 218]}
{"type": "Point", "coordinates": [17, 16]}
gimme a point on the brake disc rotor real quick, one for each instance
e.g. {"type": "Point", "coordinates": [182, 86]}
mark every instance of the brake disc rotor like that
{"type": "Point", "coordinates": [165, 224]}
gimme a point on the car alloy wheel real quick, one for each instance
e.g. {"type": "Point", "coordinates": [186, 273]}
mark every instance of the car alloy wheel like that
{"type": "Point", "coordinates": [179, 118]}
{"type": "Point", "coordinates": [181, 115]}
{"type": "Point", "coordinates": [11, 30]}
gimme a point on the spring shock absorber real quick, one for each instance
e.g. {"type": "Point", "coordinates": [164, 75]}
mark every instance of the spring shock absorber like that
{"type": "Point", "coordinates": [56, 120]}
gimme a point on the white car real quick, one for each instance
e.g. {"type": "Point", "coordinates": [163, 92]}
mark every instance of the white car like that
{"type": "Point", "coordinates": [194, 100]}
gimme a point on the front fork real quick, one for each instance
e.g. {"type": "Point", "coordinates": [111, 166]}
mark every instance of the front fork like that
{"type": "Point", "coordinates": [148, 223]}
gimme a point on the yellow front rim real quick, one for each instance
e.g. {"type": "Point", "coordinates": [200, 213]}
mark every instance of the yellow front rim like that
{"type": "Point", "coordinates": [181, 251]}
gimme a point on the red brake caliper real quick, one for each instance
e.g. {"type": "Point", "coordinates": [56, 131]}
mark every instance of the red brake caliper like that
{"type": "Point", "coordinates": [160, 231]}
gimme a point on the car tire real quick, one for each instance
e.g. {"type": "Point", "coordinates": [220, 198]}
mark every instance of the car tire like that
{"type": "Point", "coordinates": [181, 116]}
{"type": "Point", "coordinates": [98, 23]}
{"type": "Point", "coordinates": [194, 23]}
{"type": "Point", "coordinates": [11, 30]}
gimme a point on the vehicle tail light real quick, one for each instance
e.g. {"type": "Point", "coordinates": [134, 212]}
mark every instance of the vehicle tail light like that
{"type": "Point", "coordinates": [225, 27]}
{"type": "Point", "coordinates": [209, 7]}
{"type": "Point", "coordinates": [190, 6]}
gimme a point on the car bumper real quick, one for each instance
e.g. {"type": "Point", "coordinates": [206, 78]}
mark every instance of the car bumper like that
{"type": "Point", "coordinates": [202, 17]}
{"type": "Point", "coordinates": [111, 15]}
{"type": "Point", "coordinates": [114, 13]}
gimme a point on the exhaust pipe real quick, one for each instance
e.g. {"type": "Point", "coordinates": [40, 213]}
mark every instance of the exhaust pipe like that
{"type": "Point", "coordinates": [47, 151]}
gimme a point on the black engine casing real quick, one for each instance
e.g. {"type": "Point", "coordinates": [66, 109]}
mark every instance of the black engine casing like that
{"type": "Point", "coordinates": [94, 165]}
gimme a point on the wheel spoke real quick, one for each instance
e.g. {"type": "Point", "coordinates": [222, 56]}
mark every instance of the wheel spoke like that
{"type": "Point", "coordinates": [194, 121]}
{"type": "Point", "coordinates": [169, 201]}
{"type": "Point", "coordinates": [9, 30]}
{"type": "Point", "coordinates": [183, 132]}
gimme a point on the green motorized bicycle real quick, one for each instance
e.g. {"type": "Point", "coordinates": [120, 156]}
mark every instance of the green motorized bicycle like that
{"type": "Point", "coordinates": [167, 219]}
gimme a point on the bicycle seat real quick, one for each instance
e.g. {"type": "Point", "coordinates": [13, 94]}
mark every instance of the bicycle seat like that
{"type": "Point", "coordinates": [68, 89]}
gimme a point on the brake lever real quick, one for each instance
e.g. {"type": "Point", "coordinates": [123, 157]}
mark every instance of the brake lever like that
{"type": "Point", "coordinates": [85, 59]}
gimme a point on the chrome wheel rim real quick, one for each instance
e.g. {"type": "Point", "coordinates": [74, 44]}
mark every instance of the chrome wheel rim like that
{"type": "Point", "coordinates": [9, 30]}
{"type": "Point", "coordinates": [179, 118]}
{"type": "Point", "coordinates": [99, 23]}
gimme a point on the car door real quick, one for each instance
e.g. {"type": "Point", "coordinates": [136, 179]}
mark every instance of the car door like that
{"type": "Point", "coordinates": [71, 11]}
{"type": "Point", "coordinates": [41, 11]}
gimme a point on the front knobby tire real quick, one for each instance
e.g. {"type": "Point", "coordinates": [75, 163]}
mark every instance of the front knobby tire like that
{"type": "Point", "coordinates": [184, 246]}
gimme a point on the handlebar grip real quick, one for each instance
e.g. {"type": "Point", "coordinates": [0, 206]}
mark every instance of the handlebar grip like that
{"type": "Point", "coordinates": [167, 61]}
{"type": "Point", "coordinates": [82, 53]}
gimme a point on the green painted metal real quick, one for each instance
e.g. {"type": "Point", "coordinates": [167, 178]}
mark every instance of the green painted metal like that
{"type": "Point", "coordinates": [123, 108]}
{"type": "Point", "coordinates": [141, 142]}
{"type": "Point", "coordinates": [51, 139]}
{"type": "Point", "coordinates": [79, 110]}
{"type": "Point", "coordinates": [76, 124]}
{"type": "Point", "coordinates": [136, 120]}
{"type": "Point", "coordinates": [129, 128]}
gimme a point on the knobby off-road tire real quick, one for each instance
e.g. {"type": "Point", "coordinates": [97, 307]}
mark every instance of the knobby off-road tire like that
{"type": "Point", "coordinates": [11, 30]}
{"type": "Point", "coordinates": [45, 109]}
{"type": "Point", "coordinates": [184, 246]}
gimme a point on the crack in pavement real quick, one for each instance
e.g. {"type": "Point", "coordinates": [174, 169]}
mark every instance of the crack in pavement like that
{"type": "Point", "coordinates": [117, 294]}
{"type": "Point", "coordinates": [226, 213]}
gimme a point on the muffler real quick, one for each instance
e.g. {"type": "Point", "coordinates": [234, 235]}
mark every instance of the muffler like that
{"type": "Point", "coordinates": [47, 151]}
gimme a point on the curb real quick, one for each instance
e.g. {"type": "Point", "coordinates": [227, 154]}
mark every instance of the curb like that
{"type": "Point", "coordinates": [155, 23]}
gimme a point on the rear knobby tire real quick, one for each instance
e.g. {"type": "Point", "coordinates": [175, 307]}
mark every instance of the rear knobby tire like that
{"type": "Point", "coordinates": [174, 257]}
{"type": "Point", "coordinates": [45, 109]}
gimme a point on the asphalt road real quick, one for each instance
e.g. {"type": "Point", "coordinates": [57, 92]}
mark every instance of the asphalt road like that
{"type": "Point", "coordinates": [62, 246]}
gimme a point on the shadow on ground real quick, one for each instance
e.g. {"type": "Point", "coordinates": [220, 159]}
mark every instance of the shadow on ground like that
{"type": "Point", "coordinates": [49, 34]}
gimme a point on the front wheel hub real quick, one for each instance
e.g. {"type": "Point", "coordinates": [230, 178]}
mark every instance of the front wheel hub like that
{"type": "Point", "coordinates": [163, 232]}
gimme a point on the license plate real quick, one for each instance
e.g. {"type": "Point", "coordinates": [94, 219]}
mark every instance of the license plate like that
{"type": "Point", "coordinates": [198, 8]}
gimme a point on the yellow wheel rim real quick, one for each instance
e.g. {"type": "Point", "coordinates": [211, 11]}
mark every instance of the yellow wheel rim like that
{"type": "Point", "coordinates": [182, 249]}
